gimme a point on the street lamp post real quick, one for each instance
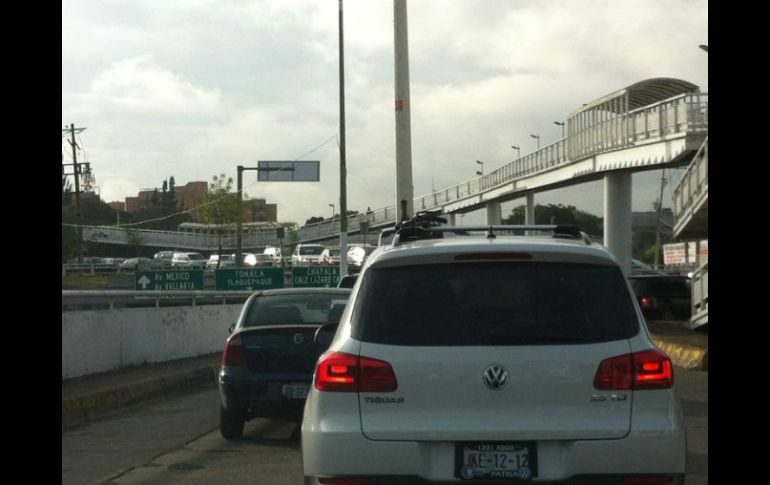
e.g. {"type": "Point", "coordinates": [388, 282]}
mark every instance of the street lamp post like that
{"type": "Point", "coordinates": [560, 123]}
{"type": "Point", "coordinates": [536, 137]}
{"type": "Point", "coordinates": [480, 172]}
{"type": "Point", "coordinates": [333, 211]}
{"type": "Point", "coordinates": [518, 151]}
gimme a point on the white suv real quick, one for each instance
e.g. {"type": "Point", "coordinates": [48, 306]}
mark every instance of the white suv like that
{"type": "Point", "coordinates": [479, 359]}
{"type": "Point", "coordinates": [306, 254]}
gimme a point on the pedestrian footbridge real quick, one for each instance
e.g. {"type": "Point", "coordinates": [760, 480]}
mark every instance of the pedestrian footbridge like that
{"type": "Point", "coordinates": [652, 124]}
{"type": "Point", "coordinates": [691, 222]}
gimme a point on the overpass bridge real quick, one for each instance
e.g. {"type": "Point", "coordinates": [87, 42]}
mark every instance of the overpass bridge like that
{"type": "Point", "coordinates": [652, 124]}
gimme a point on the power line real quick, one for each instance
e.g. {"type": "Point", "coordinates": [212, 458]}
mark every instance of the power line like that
{"type": "Point", "coordinates": [76, 172]}
{"type": "Point", "coordinates": [192, 209]}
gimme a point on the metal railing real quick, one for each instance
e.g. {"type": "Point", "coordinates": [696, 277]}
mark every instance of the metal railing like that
{"type": "Point", "coordinates": [181, 239]}
{"type": "Point", "coordinates": [681, 114]}
{"type": "Point", "coordinates": [700, 296]}
{"type": "Point", "coordinates": [686, 113]}
{"type": "Point", "coordinates": [111, 299]}
{"type": "Point", "coordinates": [694, 183]}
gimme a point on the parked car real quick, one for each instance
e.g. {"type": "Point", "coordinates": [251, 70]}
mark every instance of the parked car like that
{"type": "Point", "coordinates": [213, 262]}
{"type": "Point", "coordinates": [305, 254]}
{"type": "Point", "coordinates": [329, 257]}
{"type": "Point", "coordinates": [139, 264]}
{"type": "Point", "coordinates": [164, 258]}
{"type": "Point", "coordinates": [188, 260]}
{"type": "Point", "coordinates": [259, 260]}
{"type": "Point", "coordinates": [268, 361]}
{"type": "Point", "coordinates": [114, 262]}
{"type": "Point", "coordinates": [492, 360]}
{"type": "Point", "coordinates": [217, 261]}
{"type": "Point", "coordinates": [274, 253]}
{"type": "Point", "coordinates": [663, 297]}
{"type": "Point", "coordinates": [357, 254]}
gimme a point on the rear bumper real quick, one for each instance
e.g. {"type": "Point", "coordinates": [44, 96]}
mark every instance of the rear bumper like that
{"type": "Point", "coordinates": [567, 462]}
{"type": "Point", "coordinates": [335, 446]}
{"type": "Point", "coordinates": [576, 480]}
{"type": "Point", "coordinates": [259, 395]}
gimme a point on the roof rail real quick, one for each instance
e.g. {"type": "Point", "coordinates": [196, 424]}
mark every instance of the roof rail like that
{"type": "Point", "coordinates": [425, 225]}
{"type": "Point", "coordinates": [385, 233]}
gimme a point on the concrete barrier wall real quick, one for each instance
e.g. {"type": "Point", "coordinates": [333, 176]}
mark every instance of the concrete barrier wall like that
{"type": "Point", "coordinates": [106, 339]}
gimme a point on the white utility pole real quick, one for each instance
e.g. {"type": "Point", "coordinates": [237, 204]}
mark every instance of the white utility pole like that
{"type": "Point", "coordinates": [343, 162]}
{"type": "Point", "coordinates": [404, 187]}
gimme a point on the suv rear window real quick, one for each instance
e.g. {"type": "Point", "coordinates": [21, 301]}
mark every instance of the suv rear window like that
{"type": "Point", "coordinates": [494, 304]}
{"type": "Point", "coordinates": [310, 250]}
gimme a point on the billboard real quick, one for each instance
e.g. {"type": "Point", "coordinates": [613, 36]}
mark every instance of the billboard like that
{"type": "Point", "coordinates": [288, 171]}
{"type": "Point", "coordinates": [684, 253]}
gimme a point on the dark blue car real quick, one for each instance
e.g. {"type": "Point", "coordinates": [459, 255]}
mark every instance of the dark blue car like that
{"type": "Point", "coordinates": [268, 361]}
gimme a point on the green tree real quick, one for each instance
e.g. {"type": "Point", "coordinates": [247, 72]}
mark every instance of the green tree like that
{"type": "Point", "coordinates": [220, 206]}
{"type": "Point", "coordinates": [172, 193]}
{"type": "Point", "coordinates": [559, 214]}
{"type": "Point", "coordinates": [164, 195]}
{"type": "Point", "coordinates": [314, 219]}
{"type": "Point", "coordinates": [135, 240]}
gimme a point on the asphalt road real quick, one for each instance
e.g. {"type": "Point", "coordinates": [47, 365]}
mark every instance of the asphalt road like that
{"type": "Point", "coordinates": [178, 442]}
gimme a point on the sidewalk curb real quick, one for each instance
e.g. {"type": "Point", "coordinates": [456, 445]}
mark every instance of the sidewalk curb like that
{"type": "Point", "coordinates": [82, 409]}
{"type": "Point", "coordinates": [685, 356]}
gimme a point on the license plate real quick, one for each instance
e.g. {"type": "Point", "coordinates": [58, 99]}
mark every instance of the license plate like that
{"type": "Point", "coordinates": [295, 391]}
{"type": "Point", "coordinates": [496, 461]}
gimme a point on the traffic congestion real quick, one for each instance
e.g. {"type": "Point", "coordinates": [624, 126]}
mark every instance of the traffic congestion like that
{"type": "Point", "coordinates": [429, 300]}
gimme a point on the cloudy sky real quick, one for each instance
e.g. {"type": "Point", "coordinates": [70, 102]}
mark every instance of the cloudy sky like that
{"type": "Point", "coordinates": [193, 88]}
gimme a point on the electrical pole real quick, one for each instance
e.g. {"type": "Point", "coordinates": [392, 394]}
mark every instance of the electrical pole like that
{"type": "Point", "coordinates": [238, 225]}
{"type": "Point", "coordinates": [660, 209]}
{"type": "Point", "coordinates": [76, 172]}
{"type": "Point", "coordinates": [343, 168]}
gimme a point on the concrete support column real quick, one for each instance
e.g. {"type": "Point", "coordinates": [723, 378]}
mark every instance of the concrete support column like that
{"type": "Point", "coordinates": [617, 217]}
{"type": "Point", "coordinates": [494, 213]}
{"type": "Point", "coordinates": [529, 213]}
{"type": "Point", "coordinates": [451, 218]}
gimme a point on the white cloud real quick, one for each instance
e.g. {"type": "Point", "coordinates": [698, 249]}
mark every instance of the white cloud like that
{"type": "Point", "coordinates": [115, 189]}
{"type": "Point", "coordinates": [139, 84]}
{"type": "Point", "coordinates": [194, 88]}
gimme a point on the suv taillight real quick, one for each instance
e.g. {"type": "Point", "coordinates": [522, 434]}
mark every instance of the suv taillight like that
{"type": "Point", "coordinates": [650, 369]}
{"type": "Point", "coordinates": [340, 372]}
{"type": "Point", "coordinates": [235, 354]}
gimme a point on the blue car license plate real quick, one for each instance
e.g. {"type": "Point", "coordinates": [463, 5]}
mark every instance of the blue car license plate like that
{"type": "Point", "coordinates": [496, 460]}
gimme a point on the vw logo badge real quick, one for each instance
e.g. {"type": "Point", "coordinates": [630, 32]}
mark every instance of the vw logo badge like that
{"type": "Point", "coordinates": [495, 377]}
{"type": "Point", "coordinates": [298, 338]}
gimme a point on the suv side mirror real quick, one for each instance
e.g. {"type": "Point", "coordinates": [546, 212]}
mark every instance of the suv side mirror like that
{"type": "Point", "coordinates": [231, 328]}
{"type": "Point", "coordinates": [325, 334]}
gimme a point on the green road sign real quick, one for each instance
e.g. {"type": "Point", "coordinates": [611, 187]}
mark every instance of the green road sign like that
{"type": "Point", "coordinates": [315, 276]}
{"type": "Point", "coordinates": [189, 279]}
{"type": "Point", "coordinates": [249, 278]}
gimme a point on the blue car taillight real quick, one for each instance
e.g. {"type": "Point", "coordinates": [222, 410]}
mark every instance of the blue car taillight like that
{"type": "Point", "coordinates": [235, 354]}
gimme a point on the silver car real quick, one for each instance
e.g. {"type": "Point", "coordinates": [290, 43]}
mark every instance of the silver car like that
{"type": "Point", "coordinates": [492, 359]}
